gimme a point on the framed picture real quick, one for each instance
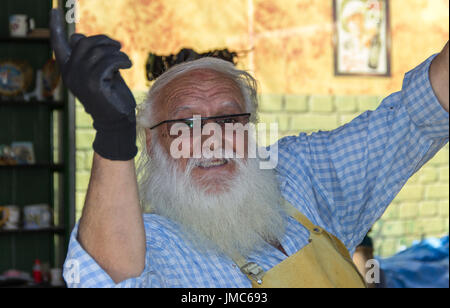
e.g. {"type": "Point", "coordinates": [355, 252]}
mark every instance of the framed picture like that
{"type": "Point", "coordinates": [362, 37]}
{"type": "Point", "coordinates": [23, 153]}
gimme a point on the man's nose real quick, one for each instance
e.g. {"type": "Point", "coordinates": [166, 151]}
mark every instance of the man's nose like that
{"type": "Point", "coordinates": [212, 140]}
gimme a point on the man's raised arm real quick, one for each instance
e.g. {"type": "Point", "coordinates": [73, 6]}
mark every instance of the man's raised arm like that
{"type": "Point", "coordinates": [357, 169]}
{"type": "Point", "coordinates": [439, 77]}
{"type": "Point", "coordinates": [111, 229]}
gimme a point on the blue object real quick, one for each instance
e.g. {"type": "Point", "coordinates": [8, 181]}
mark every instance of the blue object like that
{"type": "Point", "coordinates": [423, 265]}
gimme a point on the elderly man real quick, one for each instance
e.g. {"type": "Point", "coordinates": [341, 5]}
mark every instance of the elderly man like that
{"type": "Point", "coordinates": [224, 221]}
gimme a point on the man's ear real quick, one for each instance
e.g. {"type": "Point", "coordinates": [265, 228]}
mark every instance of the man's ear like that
{"type": "Point", "coordinates": [148, 140]}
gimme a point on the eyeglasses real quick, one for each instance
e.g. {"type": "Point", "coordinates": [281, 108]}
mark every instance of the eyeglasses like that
{"type": "Point", "coordinates": [242, 118]}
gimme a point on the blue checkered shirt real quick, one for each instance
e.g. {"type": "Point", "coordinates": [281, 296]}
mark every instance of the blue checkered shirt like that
{"type": "Point", "coordinates": [342, 180]}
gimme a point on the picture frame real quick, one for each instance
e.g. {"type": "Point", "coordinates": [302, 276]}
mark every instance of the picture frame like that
{"type": "Point", "coordinates": [362, 38]}
{"type": "Point", "coordinates": [23, 153]}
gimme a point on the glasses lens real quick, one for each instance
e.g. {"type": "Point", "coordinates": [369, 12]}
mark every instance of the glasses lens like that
{"type": "Point", "coordinates": [232, 120]}
{"type": "Point", "coordinates": [175, 129]}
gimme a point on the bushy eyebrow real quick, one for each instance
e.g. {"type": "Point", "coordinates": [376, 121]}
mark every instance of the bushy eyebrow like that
{"type": "Point", "coordinates": [181, 108]}
{"type": "Point", "coordinates": [224, 104]}
{"type": "Point", "coordinates": [232, 104]}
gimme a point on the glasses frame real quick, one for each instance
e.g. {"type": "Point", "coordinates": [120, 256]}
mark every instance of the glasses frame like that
{"type": "Point", "coordinates": [203, 119]}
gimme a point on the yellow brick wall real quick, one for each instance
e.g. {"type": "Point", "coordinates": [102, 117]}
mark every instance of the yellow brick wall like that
{"type": "Point", "coordinates": [289, 44]}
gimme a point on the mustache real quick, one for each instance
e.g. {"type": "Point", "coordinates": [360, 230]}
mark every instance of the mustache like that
{"type": "Point", "coordinates": [224, 157]}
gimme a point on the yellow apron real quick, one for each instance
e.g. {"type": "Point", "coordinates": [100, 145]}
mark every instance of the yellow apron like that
{"type": "Point", "coordinates": [324, 263]}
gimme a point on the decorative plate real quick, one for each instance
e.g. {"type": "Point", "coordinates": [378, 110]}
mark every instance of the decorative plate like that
{"type": "Point", "coordinates": [15, 77]}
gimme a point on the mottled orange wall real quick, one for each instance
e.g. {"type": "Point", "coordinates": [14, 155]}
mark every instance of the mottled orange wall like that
{"type": "Point", "coordinates": [290, 40]}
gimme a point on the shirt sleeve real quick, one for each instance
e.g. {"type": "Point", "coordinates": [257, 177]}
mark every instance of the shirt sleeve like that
{"type": "Point", "coordinates": [82, 271]}
{"type": "Point", "coordinates": [356, 170]}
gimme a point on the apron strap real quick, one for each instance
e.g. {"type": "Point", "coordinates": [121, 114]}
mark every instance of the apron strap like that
{"type": "Point", "coordinates": [253, 270]}
{"type": "Point", "coordinates": [293, 212]}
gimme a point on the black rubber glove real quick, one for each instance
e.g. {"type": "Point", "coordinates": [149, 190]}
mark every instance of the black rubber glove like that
{"type": "Point", "coordinates": [90, 69]}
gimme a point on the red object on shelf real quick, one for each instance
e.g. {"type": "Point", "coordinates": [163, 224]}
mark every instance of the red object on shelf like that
{"type": "Point", "coordinates": [37, 271]}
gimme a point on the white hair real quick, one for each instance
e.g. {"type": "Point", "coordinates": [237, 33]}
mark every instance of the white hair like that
{"type": "Point", "coordinates": [146, 111]}
{"type": "Point", "coordinates": [246, 83]}
{"type": "Point", "coordinates": [236, 222]}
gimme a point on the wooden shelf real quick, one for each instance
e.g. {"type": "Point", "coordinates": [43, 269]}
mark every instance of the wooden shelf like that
{"type": "Point", "coordinates": [28, 39]}
{"type": "Point", "coordinates": [23, 103]}
{"type": "Point", "coordinates": [57, 230]}
{"type": "Point", "coordinates": [27, 285]}
{"type": "Point", "coordinates": [50, 126]}
{"type": "Point", "coordinates": [53, 167]}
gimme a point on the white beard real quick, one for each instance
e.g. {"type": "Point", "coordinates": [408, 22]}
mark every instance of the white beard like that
{"type": "Point", "coordinates": [236, 222]}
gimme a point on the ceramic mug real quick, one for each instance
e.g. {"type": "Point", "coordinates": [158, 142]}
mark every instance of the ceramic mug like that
{"type": "Point", "coordinates": [56, 277]}
{"type": "Point", "coordinates": [10, 217]}
{"type": "Point", "coordinates": [37, 216]}
{"type": "Point", "coordinates": [20, 25]}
